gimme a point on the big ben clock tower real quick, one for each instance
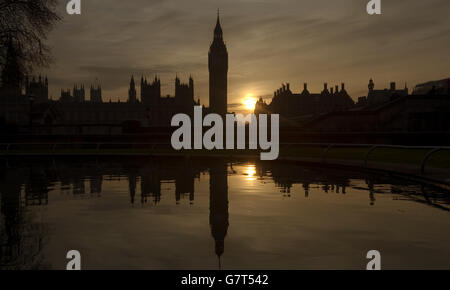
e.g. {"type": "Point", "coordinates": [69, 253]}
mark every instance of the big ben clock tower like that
{"type": "Point", "coordinates": [218, 71]}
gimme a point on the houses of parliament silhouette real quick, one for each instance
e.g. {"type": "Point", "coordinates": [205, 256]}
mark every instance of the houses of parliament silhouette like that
{"type": "Point", "coordinates": [29, 104]}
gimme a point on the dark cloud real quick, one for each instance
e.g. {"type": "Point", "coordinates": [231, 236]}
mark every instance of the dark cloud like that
{"type": "Point", "coordinates": [234, 105]}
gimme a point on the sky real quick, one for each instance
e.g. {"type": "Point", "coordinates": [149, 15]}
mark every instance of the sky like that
{"type": "Point", "coordinates": [269, 42]}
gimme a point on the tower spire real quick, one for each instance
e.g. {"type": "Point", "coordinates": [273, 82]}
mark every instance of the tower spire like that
{"type": "Point", "coordinates": [218, 29]}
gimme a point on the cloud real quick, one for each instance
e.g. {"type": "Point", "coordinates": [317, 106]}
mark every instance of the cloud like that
{"type": "Point", "coordinates": [269, 42]}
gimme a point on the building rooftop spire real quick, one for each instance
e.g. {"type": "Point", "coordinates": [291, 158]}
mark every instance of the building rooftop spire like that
{"type": "Point", "coordinates": [218, 29]}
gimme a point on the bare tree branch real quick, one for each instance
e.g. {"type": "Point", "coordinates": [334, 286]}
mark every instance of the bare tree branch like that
{"type": "Point", "coordinates": [26, 23]}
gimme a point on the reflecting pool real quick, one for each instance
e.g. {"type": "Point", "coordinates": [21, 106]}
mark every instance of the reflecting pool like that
{"type": "Point", "coordinates": [210, 213]}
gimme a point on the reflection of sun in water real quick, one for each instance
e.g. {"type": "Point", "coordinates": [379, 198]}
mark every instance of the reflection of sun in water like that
{"type": "Point", "coordinates": [250, 172]}
{"type": "Point", "coordinates": [249, 102]}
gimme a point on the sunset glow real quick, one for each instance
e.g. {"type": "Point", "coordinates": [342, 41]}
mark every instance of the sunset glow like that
{"type": "Point", "coordinates": [250, 172]}
{"type": "Point", "coordinates": [249, 102]}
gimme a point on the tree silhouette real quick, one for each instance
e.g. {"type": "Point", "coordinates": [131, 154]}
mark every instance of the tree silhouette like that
{"type": "Point", "coordinates": [24, 25]}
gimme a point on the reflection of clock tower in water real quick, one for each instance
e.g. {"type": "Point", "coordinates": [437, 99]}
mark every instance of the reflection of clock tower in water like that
{"type": "Point", "coordinates": [218, 70]}
{"type": "Point", "coordinates": [218, 204]}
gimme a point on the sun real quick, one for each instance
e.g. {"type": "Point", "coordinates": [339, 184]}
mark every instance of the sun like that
{"type": "Point", "coordinates": [249, 102]}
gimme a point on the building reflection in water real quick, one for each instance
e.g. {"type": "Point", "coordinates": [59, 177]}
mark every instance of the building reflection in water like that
{"type": "Point", "coordinates": [286, 175]}
{"type": "Point", "coordinates": [25, 183]}
{"type": "Point", "coordinates": [218, 205]}
{"type": "Point", "coordinates": [95, 184]}
{"type": "Point", "coordinates": [21, 239]}
{"type": "Point", "coordinates": [132, 180]}
{"type": "Point", "coordinates": [181, 173]}
{"type": "Point", "coordinates": [150, 185]}
{"type": "Point", "coordinates": [184, 181]}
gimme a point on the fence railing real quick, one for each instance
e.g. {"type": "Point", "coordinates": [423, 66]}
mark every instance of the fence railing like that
{"type": "Point", "coordinates": [327, 147]}
{"type": "Point", "coordinates": [372, 147]}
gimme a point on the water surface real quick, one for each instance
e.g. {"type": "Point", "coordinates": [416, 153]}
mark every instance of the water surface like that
{"type": "Point", "coordinates": [181, 213]}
